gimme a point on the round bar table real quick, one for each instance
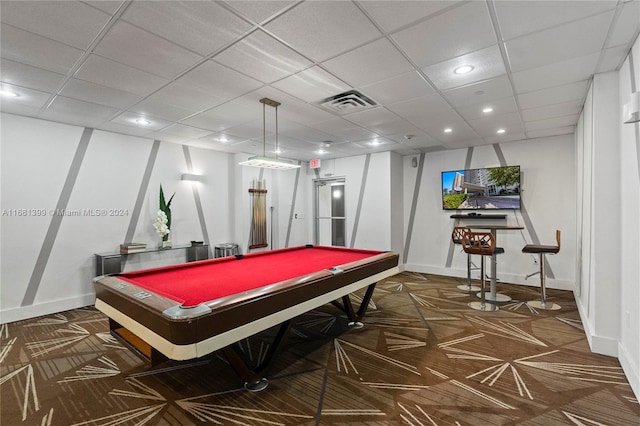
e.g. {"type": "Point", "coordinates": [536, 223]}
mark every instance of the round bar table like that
{"type": "Point", "coordinates": [493, 295]}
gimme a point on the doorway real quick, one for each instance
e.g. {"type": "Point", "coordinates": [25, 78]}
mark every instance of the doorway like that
{"type": "Point", "coordinates": [331, 223]}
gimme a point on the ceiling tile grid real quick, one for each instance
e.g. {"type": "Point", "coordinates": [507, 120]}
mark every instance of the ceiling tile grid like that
{"type": "Point", "coordinates": [194, 72]}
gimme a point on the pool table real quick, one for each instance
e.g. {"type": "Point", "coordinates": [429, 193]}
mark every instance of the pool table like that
{"type": "Point", "coordinates": [187, 311]}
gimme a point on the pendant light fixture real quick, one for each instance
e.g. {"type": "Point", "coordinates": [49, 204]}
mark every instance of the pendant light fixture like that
{"type": "Point", "coordinates": [264, 161]}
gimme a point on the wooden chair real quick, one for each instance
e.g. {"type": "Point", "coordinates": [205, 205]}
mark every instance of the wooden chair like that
{"type": "Point", "coordinates": [456, 237]}
{"type": "Point", "coordinates": [484, 245]}
{"type": "Point", "coordinates": [542, 250]}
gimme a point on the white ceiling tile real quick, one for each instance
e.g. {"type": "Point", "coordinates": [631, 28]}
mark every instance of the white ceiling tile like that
{"type": "Point", "coordinates": [72, 111]}
{"type": "Point", "coordinates": [129, 118]}
{"type": "Point", "coordinates": [32, 49]}
{"type": "Point", "coordinates": [551, 123]}
{"type": "Point", "coordinates": [180, 95]}
{"type": "Point", "coordinates": [419, 110]}
{"type": "Point", "coordinates": [341, 129]}
{"type": "Point", "coordinates": [380, 58]}
{"type": "Point", "coordinates": [499, 106]}
{"type": "Point", "coordinates": [436, 124]}
{"type": "Point", "coordinates": [312, 85]}
{"type": "Point", "coordinates": [145, 51]}
{"type": "Point", "coordinates": [487, 63]}
{"type": "Point", "coordinates": [110, 126]}
{"type": "Point", "coordinates": [416, 139]}
{"type": "Point", "coordinates": [186, 132]}
{"type": "Point", "coordinates": [551, 132]}
{"type": "Point", "coordinates": [391, 15]}
{"type": "Point", "coordinates": [263, 58]}
{"type": "Point", "coordinates": [554, 95]}
{"type": "Point", "coordinates": [559, 43]}
{"type": "Point", "coordinates": [396, 89]}
{"type": "Point", "coordinates": [486, 91]}
{"type": "Point", "coordinates": [201, 26]}
{"type": "Point", "coordinates": [551, 111]}
{"type": "Point", "coordinates": [612, 58]}
{"type": "Point", "coordinates": [27, 76]}
{"type": "Point", "coordinates": [627, 25]}
{"type": "Point", "coordinates": [71, 23]}
{"type": "Point", "coordinates": [154, 108]}
{"type": "Point", "coordinates": [226, 116]}
{"type": "Point", "coordinates": [218, 80]}
{"type": "Point", "coordinates": [488, 126]}
{"type": "Point", "coordinates": [105, 5]}
{"type": "Point", "coordinates": [19, 109]}
{"type": "Point", "coordinates": [556, 74]}
{"type": "Point", "coordinates": [92, 92]}
{"type": "Point", "coordinates": [26, 97]}
{"type": "Point", "coordinates": [108, 73]}
{"type": "Point", "coordinates": [517, 18]}
{"type": "Point", "coordinates": [307, 134]}
{"type": "Point", "coordinates": [321, 30]}
{"type": "Point", "coordinates": [457, 32]}
{"type": "Point", "coordinates": [381, 121]}
{"type": "Point", "coordinates": [506, 137]}
{"type": "Point", "coordinates": [259, 10]}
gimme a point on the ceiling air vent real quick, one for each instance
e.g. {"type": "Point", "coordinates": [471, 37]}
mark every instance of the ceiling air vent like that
{"type": "Point", "coordinates": [348, 102]}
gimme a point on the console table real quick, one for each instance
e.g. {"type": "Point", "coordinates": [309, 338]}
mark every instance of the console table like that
{"type": "Point", "coordinates": [111, 263]}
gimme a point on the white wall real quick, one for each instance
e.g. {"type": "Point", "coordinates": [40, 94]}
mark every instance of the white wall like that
{"type": "Point", "coordinates": [609, 155]}
{"type": "Point", "coordinates": [548, 200]}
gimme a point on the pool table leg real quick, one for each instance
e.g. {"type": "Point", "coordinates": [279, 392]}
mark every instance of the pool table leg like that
{"type": "Point", "coordinates": [253, 380]}
{"type": "Point", "coordinates": [347, 306]}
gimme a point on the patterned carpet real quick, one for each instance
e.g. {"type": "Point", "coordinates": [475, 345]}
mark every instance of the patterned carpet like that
{"type": "Point", "coordinates": [422, 358]}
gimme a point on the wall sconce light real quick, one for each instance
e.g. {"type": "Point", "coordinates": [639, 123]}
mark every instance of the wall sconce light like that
{"type": "Point", "coordinates": [192, 177]}
{"type": "Point", "coordinates": [631, 110]}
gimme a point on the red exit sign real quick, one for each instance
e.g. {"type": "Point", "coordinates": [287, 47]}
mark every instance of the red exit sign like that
{"type": "Point", "coordinates": [314, 164]}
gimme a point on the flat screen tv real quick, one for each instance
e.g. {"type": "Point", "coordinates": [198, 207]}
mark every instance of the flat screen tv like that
{"type": "Point", "coordinates": [490, 188]}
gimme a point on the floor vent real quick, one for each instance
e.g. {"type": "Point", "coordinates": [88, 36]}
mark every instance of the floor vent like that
{"type": "Point", "coordinates": [348, 102]}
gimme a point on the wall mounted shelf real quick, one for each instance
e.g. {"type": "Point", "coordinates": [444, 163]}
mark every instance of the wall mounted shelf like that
{"type": "Point", "coordinates": [479, 216]}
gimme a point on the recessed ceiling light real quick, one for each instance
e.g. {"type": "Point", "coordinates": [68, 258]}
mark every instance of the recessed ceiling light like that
{"type": "Point", "coordinates": [223, 139]}
{"type": "Point", "coordinates": [500, 131]}
{"type": "Point", "coordinates": [321, 151]}
{"type": "Point", "coordinates": [375, 142]}
{"type": "Point", "coordinates": [8, 93]}
{"type": "Point", "coordinates": [278, 151]}
{"type": "Point", "coordinates": [448, 130]}
{"type": "Point", "coordinates": [142, 121]}
{"type": "Point", "coordinates": [463, 69]}
{"type": "Point", "coordinates": [487, 110]}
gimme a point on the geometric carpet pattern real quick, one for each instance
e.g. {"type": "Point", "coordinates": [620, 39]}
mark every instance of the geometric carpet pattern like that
{"type": "Point", "coordinates": [423, 357]}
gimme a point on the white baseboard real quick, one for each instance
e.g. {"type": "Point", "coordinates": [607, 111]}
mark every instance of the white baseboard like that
{"type": "Point", "coordinates": [597, 344]}
{"type": "Point", "coordinates": [505, 278]}
{"type": "Point", "coordinates": [47, 308]}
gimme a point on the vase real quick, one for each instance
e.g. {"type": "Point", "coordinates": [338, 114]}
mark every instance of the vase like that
{"type": "Point", "coordinates": [165, 244]}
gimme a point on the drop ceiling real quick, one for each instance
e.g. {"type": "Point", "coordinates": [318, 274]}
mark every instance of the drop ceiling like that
{"type": "Point", "coordinates": [194, 72]}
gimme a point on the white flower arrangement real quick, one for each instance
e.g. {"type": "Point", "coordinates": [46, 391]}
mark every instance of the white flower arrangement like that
{"type": "Point", "coordinates": [161, 224]}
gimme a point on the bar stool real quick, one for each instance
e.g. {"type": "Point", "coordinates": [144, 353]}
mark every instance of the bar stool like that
{"type": "Point", "coordinates": [456, 237]}
{"type": "Point", "coordinates": [542, 250]}
{"type": "Point", "coordinates": [483, 244]}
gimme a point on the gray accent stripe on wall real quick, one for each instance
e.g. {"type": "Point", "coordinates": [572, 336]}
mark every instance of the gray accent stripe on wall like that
{"type": "Point", "coordinates": [196, 196]}
{"type": "Point", "coordinates": [414, 203]}
{"type": "Point", "coordinates": [293, 205]}
{"type": "Point", "coordinates": [142, 191]}
{"type": "Point", "coordinates": [456, 222]}
{"type": "Point", "coordinates": [363, 185]}
{"type": "Point", "coordinates": [56, 220]}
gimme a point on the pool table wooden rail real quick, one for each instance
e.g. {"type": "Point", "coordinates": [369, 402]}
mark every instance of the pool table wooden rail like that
{"type": "Point", "coordinates": [182, 333]}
